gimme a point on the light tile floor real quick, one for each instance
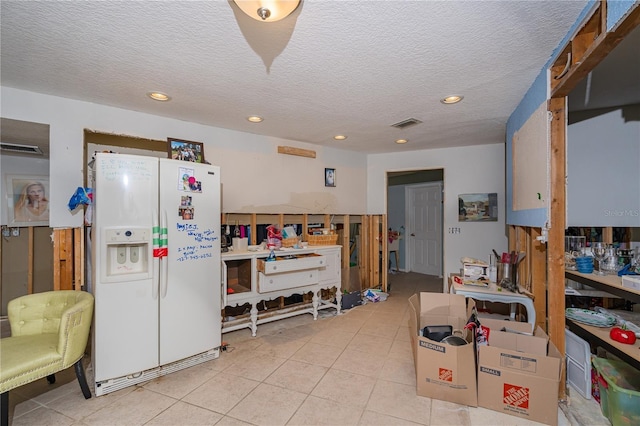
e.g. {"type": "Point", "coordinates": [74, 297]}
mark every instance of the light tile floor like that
{"type": "Point", "coordinates": [352, 369]}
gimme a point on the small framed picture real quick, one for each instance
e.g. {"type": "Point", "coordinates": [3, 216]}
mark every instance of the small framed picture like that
{"type": "Point", "coordinates": [182, 150]}
{"type": "Point", "coordinates": [27, 200]}
{"type": "Point", "coordinates": [329, 177]}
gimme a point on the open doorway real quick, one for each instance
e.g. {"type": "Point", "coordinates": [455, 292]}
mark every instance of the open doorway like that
{"type": "Point", "coordinates": [414, 211]}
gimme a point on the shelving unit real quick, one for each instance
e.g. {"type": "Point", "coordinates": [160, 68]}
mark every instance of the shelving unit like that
{"type": "Point", "coordinates": [611, 284]}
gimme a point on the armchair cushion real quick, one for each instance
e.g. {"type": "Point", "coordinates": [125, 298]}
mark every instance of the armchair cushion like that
{"type": "Point", "coordinates": [49, 333]}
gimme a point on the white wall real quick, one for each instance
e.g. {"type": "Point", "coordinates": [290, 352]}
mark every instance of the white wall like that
{"type": "Point", "coordinates": [477, 169]}
{"type": "Point", "coordinates": [603, 179]}
{"type": "Point", "coordinates": [255, 178]}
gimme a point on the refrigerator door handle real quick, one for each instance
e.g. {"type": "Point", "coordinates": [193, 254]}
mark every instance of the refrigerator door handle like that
{"type": "Point", "coordinates": [155, 283]}
{"type": "Point", "coordinates": [224, 284]}
{"type": "Point", "coordinates": [164, 263]}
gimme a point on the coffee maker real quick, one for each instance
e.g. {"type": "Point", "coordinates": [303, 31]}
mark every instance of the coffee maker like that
{"type": "Point", "coordinates": [225, 240]}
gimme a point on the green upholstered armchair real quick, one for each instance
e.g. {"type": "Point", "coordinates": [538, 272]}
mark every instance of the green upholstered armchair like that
{"type": "Point", "coordinates": [49, 333]}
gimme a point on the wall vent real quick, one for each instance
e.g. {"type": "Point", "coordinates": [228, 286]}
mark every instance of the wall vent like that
{"type": "Point", "coordinates": [406, 123]}
{"type": "Point", "coordinates": [23, 149]}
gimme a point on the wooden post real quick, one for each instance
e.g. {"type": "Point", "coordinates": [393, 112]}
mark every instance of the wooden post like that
{"type": "Point", "coordinates": [305, 227]}
{"type": "Point", "coordinates": [363, 251]}
{"type": "Point", "coordinates": [374, 251]}
{"type": "Point", "coordinates": [346, 252]}
{"type": "Point", "coordinates": [30, 262]}
{"type": "Point", "coordinates": [78, 258]}
{"type": "Point", "coordinates": [555, 237]}
{"type": "Point", "coordinates": [384, 243]}
{"type": "Point", "coordinates": [539, 277]}
{"type": "Point", "coordinates": [254, 229]}
{"type": "Point", "coordinates": [63, 259]}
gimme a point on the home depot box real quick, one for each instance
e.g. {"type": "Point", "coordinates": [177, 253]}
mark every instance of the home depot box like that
{"type": "Point", "coordinates": [519, 374]}
{"type": "Point", "coordinates": [442, 371]}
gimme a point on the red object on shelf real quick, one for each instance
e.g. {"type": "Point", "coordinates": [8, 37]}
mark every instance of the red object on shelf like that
{"type": "Point", "coordinates": [622, 335]}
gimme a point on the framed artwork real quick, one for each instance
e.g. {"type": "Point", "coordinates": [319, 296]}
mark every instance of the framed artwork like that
{"type": "Point", "coordinates": [478, 207]}
{"type": "Point", "coordinates": [182, 150]}
{"type": "Point", "coordinates": [27, 200]}
{"type": "Point", "coordinates": [329, 177]}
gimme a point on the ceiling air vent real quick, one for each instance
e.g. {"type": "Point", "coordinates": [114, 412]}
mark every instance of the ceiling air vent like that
{"type": "Point", "coordinates": [406, 123]}
{"type": "Point", "coordinates": [22, 149]}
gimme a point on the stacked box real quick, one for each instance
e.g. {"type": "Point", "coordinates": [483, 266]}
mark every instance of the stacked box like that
{"type": "Point", "coordinates": [443, 371]}
{"type": "Point", "coordinates": [519, 372]}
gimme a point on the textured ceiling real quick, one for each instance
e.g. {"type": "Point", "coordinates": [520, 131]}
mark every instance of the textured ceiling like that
{"type": "Point", "coordinates": [332, 67]}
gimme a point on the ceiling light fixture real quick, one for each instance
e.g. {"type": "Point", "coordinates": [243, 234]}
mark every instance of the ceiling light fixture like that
{"type": "Point", "coordinates": [453, 99]}
{"type": "Point", "coordinates": [255, 118]}
{"type": "Point", "coordinates": [339, 137]}
{"type": "Point", "coordinates": [268, 10]}
{"type": "Point", "coordinates": [401, 141]}
{"type": "Point", "coordinates": [159, 96]}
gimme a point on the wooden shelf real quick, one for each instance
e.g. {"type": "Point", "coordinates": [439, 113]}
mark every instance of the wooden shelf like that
{"type": "Point", "coordinates": [609, 283]}
{"type": "Point", "coordinates": [600, 337]}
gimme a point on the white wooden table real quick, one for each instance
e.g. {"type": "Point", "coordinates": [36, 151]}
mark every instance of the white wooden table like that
{"type": "Point", "coordinates": [492, 294]}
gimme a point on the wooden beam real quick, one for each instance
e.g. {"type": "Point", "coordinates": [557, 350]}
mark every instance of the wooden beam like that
{"type": "Point", "coordinates": [363, 252]}
{"type": "Point", "coordinates": [254, 229]}
{"type": "Point", "coordinates": [346, 252]}
{"type": "Point", "coordinates": [384, 244]}
{"type": "Point", "coordinates": [305, 227]}
{"type": "Point", "coordinates": [374, 251]}
{"type": "Point", "coordinates": [538, 272]}
{"type": "Point", "coordinates": [30, 267]}
{"type": "Point", "coordinates": [290, 150]}
{"type": "Point", "coordinates": [63, 259]}
{"type": "Point", "coordinates": [56, 259]}
{"type": "Point", "coordinates": [78, 258]}
{"type": "Point", "coordinates": [555, 237]}
{"type": "Point", "coordinates": [597, 51]}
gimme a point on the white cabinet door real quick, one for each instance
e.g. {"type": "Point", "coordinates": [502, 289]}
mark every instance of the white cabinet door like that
{"type": "Point", "coordinates": [332, 271]}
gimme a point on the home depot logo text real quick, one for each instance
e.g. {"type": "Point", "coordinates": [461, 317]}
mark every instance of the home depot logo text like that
{"type": "Point", "coordinates": [445, 374]}
{"type": "Point", "coordinates": [516, 396]}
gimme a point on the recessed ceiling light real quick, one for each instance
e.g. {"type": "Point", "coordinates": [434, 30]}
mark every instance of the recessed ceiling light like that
{"type": "Point", "coordinates": [453, 99]}
{"type": "Point", "coordinates": [339, 137]}
{"type": "Point", "coordinates": [255, 118]}
{"type": "Point", "coordinates": [401, 141]}
{"type": "Point", "coordinates": [159, 96]}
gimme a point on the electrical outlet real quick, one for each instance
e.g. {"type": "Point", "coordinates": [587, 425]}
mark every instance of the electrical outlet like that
{"type": "Point", "coordinates": [6, 232]}
{"type": "Point", "coordinates": [15, 232]}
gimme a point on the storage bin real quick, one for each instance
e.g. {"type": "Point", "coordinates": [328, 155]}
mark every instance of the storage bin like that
{"type": "Point", "coordinates": [619, 391]}
{"type": "Point", "coordinates": [322, 240]}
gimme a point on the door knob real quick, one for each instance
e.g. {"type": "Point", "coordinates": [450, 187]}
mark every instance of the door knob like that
{"type": "Point", "coordinates": [413, 235]}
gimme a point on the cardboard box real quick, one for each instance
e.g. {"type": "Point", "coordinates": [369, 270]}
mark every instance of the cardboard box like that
{"type": "Point", "coordinates": [443, 371]}
{"type": "Point", "coordinates": [475, 271]}
{"type": "Point", "coordinates": [519, 374]}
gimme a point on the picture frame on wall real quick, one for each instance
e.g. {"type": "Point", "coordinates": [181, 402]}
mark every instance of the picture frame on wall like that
{"type": "Point", "coordinates": [183, 150]}
{"type": "Point", "coordinates": [329, 177]}
{"type": "Point", "coordinates": [27, 200]}
{"type": "Point", "coordinates": [480, 207]}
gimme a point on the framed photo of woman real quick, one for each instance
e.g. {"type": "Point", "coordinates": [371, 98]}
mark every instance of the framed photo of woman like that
{"type": "Point", "coordinates": [27, 200]}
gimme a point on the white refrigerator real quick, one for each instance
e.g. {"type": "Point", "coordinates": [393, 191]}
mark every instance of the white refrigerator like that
{"type": "Point", "coordinates": [156, 268]}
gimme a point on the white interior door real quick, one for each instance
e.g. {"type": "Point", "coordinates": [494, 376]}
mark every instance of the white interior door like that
{"type": "Point", "coordinates": [424, 233]}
